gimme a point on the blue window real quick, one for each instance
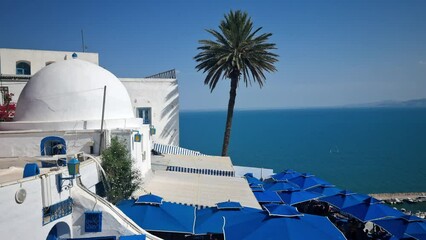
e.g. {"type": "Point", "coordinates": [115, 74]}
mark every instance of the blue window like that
{"type": "Point", "coordinates": [23, 68]}
{"type": "Point", "coordinates": [144, 113]}
{"type": "Point", "coordinates": [53, 145]}
{"type": "Point", "coordinates": [93, 222]}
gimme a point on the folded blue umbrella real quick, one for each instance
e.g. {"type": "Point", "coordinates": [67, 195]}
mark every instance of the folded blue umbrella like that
{"type": "Point", "coordinates": [371, 209]}
{"type": "Point", "coordinates": [404, 227]}
{"type": "Point", "coordinates": [211, 220]}
{"type": "Point", "coordinates": [163, 217]}
{"type": "Point", "coordinates": [295, 196]}
{"type": "Point", "coordinates": [265, 226]}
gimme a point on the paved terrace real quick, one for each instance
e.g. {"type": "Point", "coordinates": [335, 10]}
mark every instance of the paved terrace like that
{"type": "Point", "coordinates": [12, 169]}
{"type": "Point", "coordinates": [196, 189]}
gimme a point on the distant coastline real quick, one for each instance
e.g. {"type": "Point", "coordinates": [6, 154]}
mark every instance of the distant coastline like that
{"type": "Point", "coordinates": [413, 103]}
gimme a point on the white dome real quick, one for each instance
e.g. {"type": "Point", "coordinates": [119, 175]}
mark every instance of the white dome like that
{"type": "Point", "coordinates": [72, 90]}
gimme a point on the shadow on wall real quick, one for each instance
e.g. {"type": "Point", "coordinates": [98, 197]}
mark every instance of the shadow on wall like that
{"type": "Point", "coordinates": [170, 114]}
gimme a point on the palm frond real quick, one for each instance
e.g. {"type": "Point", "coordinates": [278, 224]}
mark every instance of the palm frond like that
{"type": "Point", "coordinates": [236, 49]}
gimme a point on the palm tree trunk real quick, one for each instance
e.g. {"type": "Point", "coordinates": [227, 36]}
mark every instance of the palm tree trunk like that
{"type": "Point", "coordinates": [231, 103]}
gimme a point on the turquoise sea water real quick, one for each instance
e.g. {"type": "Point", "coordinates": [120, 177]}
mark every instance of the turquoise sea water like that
{"type": "Point", "coordinates": [364, 150]}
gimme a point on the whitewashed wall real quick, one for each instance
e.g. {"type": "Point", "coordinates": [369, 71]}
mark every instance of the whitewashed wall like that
{"type": "Point", "coordinates": [25, 221]}
{"type": "Point", "coordinates": [15, 87]}
{"type": "Point", "coordinates": [140, 152]}
{"type": "Point", "coordinates": [38, 58]}
{"type": "Point", "coordinates": [162, 96]}
{"type": "Point", "coordinates": [20, 144]}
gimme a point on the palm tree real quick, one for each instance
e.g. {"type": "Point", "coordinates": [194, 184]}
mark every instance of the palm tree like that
{"type": "Point", "coordinates": [236, 53]}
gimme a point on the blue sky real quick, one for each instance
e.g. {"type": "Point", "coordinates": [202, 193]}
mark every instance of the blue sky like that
{"type": "Point", "coordinates": [331, 52]}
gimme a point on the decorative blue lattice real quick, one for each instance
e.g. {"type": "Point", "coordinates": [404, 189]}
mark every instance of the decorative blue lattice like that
{"type": "Point", "coordinates": [93, 221]}
{"type": "Point", "coordinates": [56, 211]}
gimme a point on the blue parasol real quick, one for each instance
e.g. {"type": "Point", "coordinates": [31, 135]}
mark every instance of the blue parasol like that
{"type": "Point", "coordinates": [344, 199]}
{"type": "Point", "coordinates": [325, 190]}
{"type": "Point", "coordinates": [267, 197]}
{"type": "Point", "coordinates": [371, 209]}
{"type": "Point", "coordinates": [280, 186]}
{"type": "Point", "coordinates": [211, 220]}
{"type": "Point", "coordinates": [404, 227]}
{"type": "Point", "coordinates": [295, 196]}
{"type": "Point", "coordinates": [262, 225]}
{"type": "Point", "coordinates": [163, 217]}
{"type": "Point", "coordinates": [285, 175]}
{"type": "Point", "coordinates": [252, 180]}
{"type": "Point", "coordinates": [306, 181]}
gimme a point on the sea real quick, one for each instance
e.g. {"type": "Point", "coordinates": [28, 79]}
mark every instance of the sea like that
{"type": "Point", "coordinates": [366, 150]}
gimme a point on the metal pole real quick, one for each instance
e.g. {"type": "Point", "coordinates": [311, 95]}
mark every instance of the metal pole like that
{"type": "Point", "coordinates": [102, 121]}
{"type": "Point", "coordinates": [82, 40]}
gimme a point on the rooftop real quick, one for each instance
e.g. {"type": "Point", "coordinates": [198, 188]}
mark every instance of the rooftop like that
{"type": "Point", "coordinates": [196, 189]}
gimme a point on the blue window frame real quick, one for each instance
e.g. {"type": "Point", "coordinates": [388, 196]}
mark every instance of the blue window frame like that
{"type": "Point", "coordinates": [93, 222]}
{"type": "Point", "coordinates": [53, 145]}
{"type": "Point", "coordinates": [23, 68]}
{"type": "Point", "coordinates": [145, 113]}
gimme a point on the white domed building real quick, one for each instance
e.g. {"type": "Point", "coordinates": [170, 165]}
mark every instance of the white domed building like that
{"type": "Point", "coordinates": [64, 104]}
{"type": "Point", "coordinates": [70, 91]}
{"type": "Point", "coordinates": [67, 108]}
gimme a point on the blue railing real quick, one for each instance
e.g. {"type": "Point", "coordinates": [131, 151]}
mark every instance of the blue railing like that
{"type": "Point", "coordinates": [56, 211]}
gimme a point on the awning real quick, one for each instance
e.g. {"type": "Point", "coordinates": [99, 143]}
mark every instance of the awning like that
{"type": "Point", "coordinates": [206, 165]}
{"type": "Point", "coordinates": [175, 150]}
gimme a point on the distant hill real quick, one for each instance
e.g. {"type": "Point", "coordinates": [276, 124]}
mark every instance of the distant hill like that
{"type": "Point", "coordinates": [415, 103]}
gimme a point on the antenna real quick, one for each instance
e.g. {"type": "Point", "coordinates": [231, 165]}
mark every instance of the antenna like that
{"type": "Point", "coordinates": [82, 40]}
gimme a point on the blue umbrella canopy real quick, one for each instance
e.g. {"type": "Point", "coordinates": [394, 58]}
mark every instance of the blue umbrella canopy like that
{"type": "Point", "coordinates": [295, 196]}
{"type": "Point", "coordinates": [325, 190]}
{"type": "Point", "coordinates": [164, 217]}
{"type": "Point", "coordinates": [229, 205]}
{"type": "Point", "coordinates": [280, 186]}
{"type": "Point", "coordinates": [267, 197]}
{"type": "Point", "coordinates": [306, 181]}
{"type": "Point", "coordinates": [211, 220]}
{"type": "Point", "coordinates": [344, 199]}
{"type": "Point", "coordinates": [285, 175]}
{"type": "Point", "coordinates": [281, 210]}
{"type": "Point", "coordinates": [261, 225]}
{"type": "Point", "coordinates": [252, 180]}
{"type": "Point", "coordinates": [257, 188]}
{"type": "Point", "coordinates": [404, 227]}
{"type": "Point", "coordinates": [371, 209]}
{"type": "Point", "coordinates": [149, 199]}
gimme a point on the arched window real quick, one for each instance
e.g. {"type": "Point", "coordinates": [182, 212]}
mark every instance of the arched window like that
{"type": "Point", "coordinates": [23, 68]}
{"type": "Point", "coordinates": [53, 145]}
